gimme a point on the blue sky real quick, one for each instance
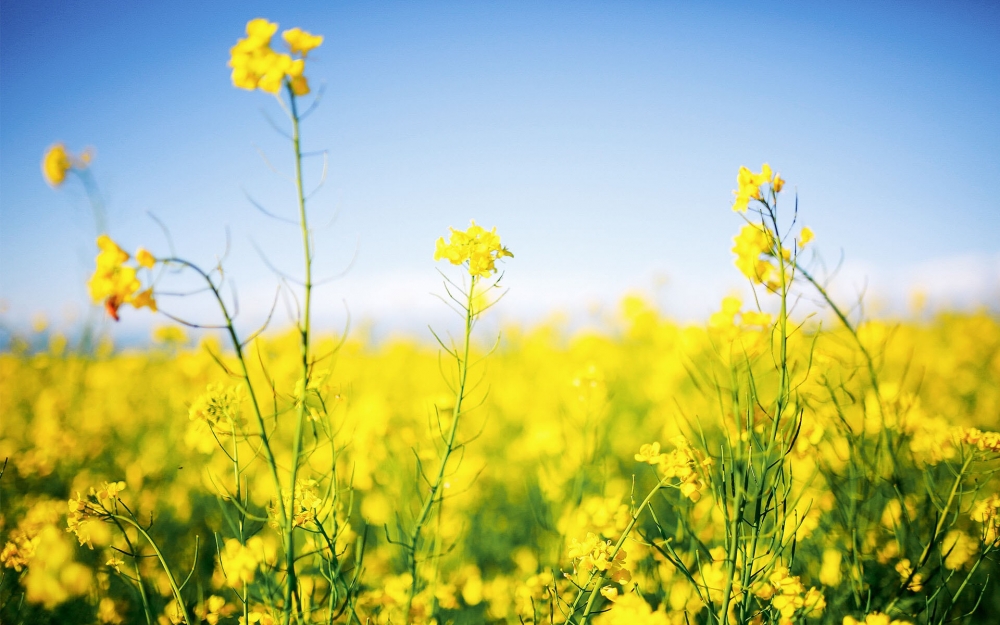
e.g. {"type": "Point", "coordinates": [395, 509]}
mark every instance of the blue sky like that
{"type": "Point", "coordinates": [602, 139]}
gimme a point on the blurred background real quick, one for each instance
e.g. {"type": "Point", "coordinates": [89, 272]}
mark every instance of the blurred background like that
{"type": "Point", "coordinates": [601, 139]}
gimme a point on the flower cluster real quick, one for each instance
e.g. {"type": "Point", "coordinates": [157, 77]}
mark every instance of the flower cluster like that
{"type": "Point", "coordinates": [306, 506]}
{"type": "Point", "coordinates": [58, 162]}
{"type": "Point", "coordinates": [219, 404]}
{"type": "Point", "coordinates": [23, 540]}
{"type": "Point", "coordinates": [478, 247]}
{"type": "Point", "coordinates": [987, 512]}
{"type": "Point", "coordinates": [788, 596]}
{"type": "Point", "coordinates": [257, 66]}
{"type": "Point", "coordinates": [683, 463]}
{"type": "Point", "coordinates": [214, 609]}
{"type": "Point", "coordinates": [914, 581]}
{"type": "Point", "coordinates": [240, 561]}
{"type": "Point", "coordinates": [750, 183]}
{"type": "Point", "coordinates": [116, 283]}
{"type": "Point", "coordinates": [82, 509]}
{"type": "Point", "coordinates": [594, 553]}
{"type": "Point", "coordinates": [983, 441]}
{"type": "Point", "coordinates": [751, 244]}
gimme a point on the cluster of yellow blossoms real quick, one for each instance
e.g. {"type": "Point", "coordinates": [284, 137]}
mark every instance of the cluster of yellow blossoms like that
{"type": "Point", "coordinates": [987, 512]}
{"type": "Point", "coordinates": [749, 185]}
{"type": "Point", "coordinates": [116, 283]}
{"type": "Point", "coordinates": [788, 596]}
{"type": "Point", "coordinates": [684, 463]}
{"type": "Point", "coordinates": [983, 441]}
{"type": "Point", "coordinates": [478, 247]}
{"type": "Point", "coordinates": [58, 162]}
{"type": "Point", "coordinates": [240, 562]}
{"type": "Point", "coordinates": [306, 506]}
{"type": "Point", "coordinates": [82, 510]}
{"type": "Point", "coordinates": [596, 554]}
{"type": "Point", "coordinates": [219, 405]}
{"type": "Point", "coordinates": [257, 66]}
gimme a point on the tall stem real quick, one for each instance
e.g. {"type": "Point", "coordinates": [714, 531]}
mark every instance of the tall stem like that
{"type": "Point", "coordinates": [425, 510]}
{"type": "Point", "coordinates": [304, 330]}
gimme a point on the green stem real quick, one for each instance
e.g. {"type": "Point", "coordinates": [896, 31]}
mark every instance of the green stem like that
{"type": "Point", "coordinates": [163, 562]}
{"type": "Point", "coordinates": [291, 588]}
{"type": "Point", "coordinates": [611, 557]}
{"type": "Point", "coordinates": [425, 510]}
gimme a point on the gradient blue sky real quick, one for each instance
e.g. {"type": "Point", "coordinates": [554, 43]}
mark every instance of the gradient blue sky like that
{"type": "Point", "coordinates": [602, 139]}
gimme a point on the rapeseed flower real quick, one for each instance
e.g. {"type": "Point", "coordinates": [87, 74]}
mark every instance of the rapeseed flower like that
{"type": "Point", "coordinates": [58, 162]}
{"type": "Point", "coordinates": [116, 283]}
{"type": "Point", "coordinates": [258, 66]}
{"type": "Point", "coordinates": [476, 246]}
{"type": "Point", "coordinates": [749, 185]}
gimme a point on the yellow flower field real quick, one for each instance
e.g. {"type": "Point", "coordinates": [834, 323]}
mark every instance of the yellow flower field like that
{"type": "Point", "coordinates": [768, 466]}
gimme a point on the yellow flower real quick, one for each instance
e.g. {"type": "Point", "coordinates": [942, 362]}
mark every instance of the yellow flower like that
{"type": "Point", "coordinates": [56, 164]}
{"type": "Point", "coordinates": [144, 258]}
{"type": "Point", "coordinates": [257, 66]}
{"type": "Point", "coordinates": [114, 282]}
{"type": "Point", "coordinates": [752, 242]}
{"type": "Point", "coordinates": [805, 236]}
{"type": "Point", "coordinates": [829, 574]}
{"type": "Point", "coordinates": [115, 562]}
{"type": "Point", "coordinates": [478, 247]}
{"type": "Point", "coordinates": [749, 184]}
{"type": "Point", "coordinates": [145, 298]}
{"type": "Point", "coordinates": [650, 454]}
{"type": "Point", "coordinates": [957, 549]}
{"type": "Point", "coordinates": [301, 42]}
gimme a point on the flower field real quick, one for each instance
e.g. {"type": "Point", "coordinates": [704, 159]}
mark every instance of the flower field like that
{"type": "Point", "coordinates": [772, 465]}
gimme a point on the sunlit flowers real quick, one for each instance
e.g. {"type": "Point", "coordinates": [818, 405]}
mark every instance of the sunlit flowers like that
{"type": "Point", "coordinates": [58, 162]}
{"type": "Point", "coordinates": [116, 283]}
{"type": "Point", "coordinates": [478, 247]}
{"type": "Point", "coordinates": [258, 66]}
{"type": "Point", "coordinates": [754, 247]}
{"type": "Point", "coordinates": [594, 553]}
{"type": "Point", "coordinates": [749, 184]}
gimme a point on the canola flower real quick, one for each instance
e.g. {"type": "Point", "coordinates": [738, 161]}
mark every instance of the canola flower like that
{"type": "Point", "coordinates": [749, 186]}
{"type": "Point", "coordinates": [58, 162]}
{"type": "Point", "coordinates": [114, 283]}
{"type": "Point", "coordinates": [476, 247]}
{"type": "Point", "coordinates": [257, 66]}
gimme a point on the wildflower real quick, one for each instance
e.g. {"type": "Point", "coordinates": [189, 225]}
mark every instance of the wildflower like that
{"type": "Point", "coordinates": [240, 561]}
{"type": "Point", "coordinates": [109, 491]}
{"type": "Point", "coordinates": [984, 441]}
{"type": "Point", "coordinates": [905, 570]}
{"type": "Point", "coordinates": [301, 42]}
{"type": "Point", "coordinates": [58, 162]}
{"type": "Point", "coordinates": [257, 66]}
{"type": "Point", "coordinates": [650, 454]}
{"type": "Point", "coordinates": [115, 562]}
{"type": "Point", "coordinates": [219, 406]}
{"type": "Point", "coordinates": [957, 548]}
{"type": "Point", "coordinates": [805, 236]}
{"type": "Point", "coordinates": [144, 258]}
{"type": "Point", "coordinates": [683, 464]}
{"type": "Point", "coordinates": [987, 512]}
{"type": "Point", "coordinates": [829, 573]}
{"type": "Point", "coordinates": [478, 247]}
{"type": "Point", "coordinates": [752, 242]}
{"type": "Point", "coordinates": [593, 553]}
{"type": "Point", "coordinates": [214, 609]}
{"type": "Point", "coordinates": [750, 183]}
{"type": "Point", "coordinates": [114, 282]}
